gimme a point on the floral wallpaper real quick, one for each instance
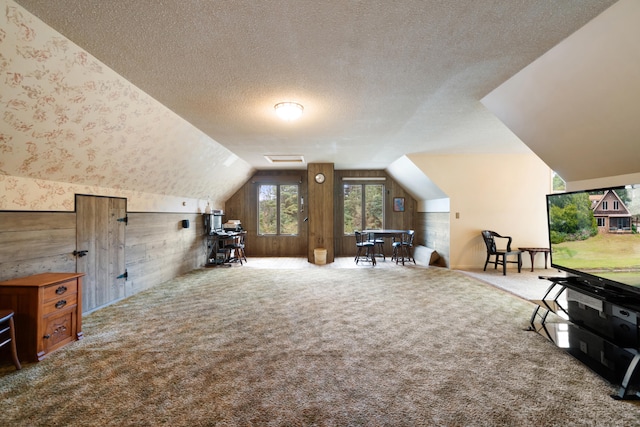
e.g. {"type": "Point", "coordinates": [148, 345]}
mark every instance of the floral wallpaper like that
{"type": "Point", "coordinates": [69, 124]}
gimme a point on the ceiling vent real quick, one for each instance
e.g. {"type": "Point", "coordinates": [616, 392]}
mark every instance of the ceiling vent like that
{"type": "Point", "coordinates": [272, 158]}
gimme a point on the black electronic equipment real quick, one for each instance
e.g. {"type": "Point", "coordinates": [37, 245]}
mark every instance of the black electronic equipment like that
{"type": "Point", "coordinates": [213, 222]}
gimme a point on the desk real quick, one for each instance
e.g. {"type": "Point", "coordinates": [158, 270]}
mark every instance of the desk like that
{"type": "Point", "coordinates": [534, 251]}
{"type": "Point", "coordinates": [384, 233]}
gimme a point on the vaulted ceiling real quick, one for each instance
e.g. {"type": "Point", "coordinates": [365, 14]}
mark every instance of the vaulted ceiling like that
{"type": "Point", "coordinates": [378, 79]}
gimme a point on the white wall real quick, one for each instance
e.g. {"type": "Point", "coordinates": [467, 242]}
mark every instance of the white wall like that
{"type": "Point", "coordinates": [500, 192]}
{"type": "Point", "coordinates": [576, 107]}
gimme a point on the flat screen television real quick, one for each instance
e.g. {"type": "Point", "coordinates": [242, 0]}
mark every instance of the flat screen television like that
{"type": "Point", "coordinates": [594, 236]}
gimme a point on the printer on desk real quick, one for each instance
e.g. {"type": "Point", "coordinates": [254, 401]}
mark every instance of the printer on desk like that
{"type": "Point", "coordinates": [232, 225]}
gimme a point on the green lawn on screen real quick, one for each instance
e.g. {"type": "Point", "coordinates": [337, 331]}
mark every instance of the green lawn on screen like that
{"type": "Point", "coordinates": [602, 252]}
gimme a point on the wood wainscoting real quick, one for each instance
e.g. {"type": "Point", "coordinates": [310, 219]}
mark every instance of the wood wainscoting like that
{"type": "Point", "coordinates": [157, 247]}
{"type": "Point", "coordinates": [36, 242]}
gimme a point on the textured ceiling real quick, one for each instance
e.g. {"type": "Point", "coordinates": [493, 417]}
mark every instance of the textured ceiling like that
{"type": "Point", "coordinates": [378, 79]}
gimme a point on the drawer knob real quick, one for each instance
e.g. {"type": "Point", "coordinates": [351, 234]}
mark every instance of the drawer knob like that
{"type": "Point", "coordinates": [57, 330]}
{"type": "Point", "coordinates": [61, 290]}
{"type": "Point", "coordinates": [61, 303]}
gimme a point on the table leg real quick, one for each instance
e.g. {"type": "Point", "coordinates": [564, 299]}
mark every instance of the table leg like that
{"type": "Point", "coordinates": [532, 254]}
{"type": "Point", "coordinates": [546, 255]}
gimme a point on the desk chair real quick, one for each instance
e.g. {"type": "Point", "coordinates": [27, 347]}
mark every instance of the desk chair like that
{"type": "Point", "coordinates": [8, 334]}
{"type": "Point", "coordinates": [500, 255]}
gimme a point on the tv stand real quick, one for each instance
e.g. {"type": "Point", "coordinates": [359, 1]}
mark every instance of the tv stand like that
{"type": "Point", "coordinates": [597, 326]}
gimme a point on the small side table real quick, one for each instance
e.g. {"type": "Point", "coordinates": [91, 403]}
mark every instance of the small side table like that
{"type": "Point", "coordinates": [534, 251]}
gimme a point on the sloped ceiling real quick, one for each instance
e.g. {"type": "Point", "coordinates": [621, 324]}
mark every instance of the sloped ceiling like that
{"type": "Point", "coordinates": [577, 106]}
{"type": "Point", "coordinates": [69, 118]}
{"type": "Point", "coordinates": [378, 80]}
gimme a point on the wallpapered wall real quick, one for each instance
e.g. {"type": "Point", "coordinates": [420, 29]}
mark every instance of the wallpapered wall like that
{"type": "Point", "coordinates": [69, 124]}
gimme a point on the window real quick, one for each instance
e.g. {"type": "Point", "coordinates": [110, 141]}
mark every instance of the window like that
{"type": "Point", "coordinates": [600, 222]}
{"type": "Point", "coordinates": [278, 207]}
{"type": "Point", "coordinates": [616, 205]}
{"type": "Point", "coordinates": [558, 184]}
{"type": "Point", "coordinates": [605, 205]}
{"type": "Point", "coordinates": [363, 207]}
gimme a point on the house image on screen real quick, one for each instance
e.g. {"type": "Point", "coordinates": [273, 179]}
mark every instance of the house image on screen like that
{"type": "Point", "coordinates": [611, 213]}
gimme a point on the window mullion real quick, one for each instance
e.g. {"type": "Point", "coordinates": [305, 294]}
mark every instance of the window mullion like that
{"type": "Point", "coordinates": [278, 210]}
{"type": "Point", "coordinates": [364, 206]}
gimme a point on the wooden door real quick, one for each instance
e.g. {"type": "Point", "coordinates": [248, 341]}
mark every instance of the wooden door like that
{"type": "Point", "coordinates": [100, 231]}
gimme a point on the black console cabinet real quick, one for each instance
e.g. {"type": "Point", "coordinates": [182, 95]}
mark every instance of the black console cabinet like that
{"type": "Point", "coordinates": [598, 327]}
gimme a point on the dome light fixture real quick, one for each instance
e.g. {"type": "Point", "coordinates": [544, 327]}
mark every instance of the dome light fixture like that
{"type": "Point", "coordinates": [289, 111]}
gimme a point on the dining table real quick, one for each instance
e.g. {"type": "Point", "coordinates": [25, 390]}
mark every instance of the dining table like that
{"type": "Point", "coordinates": [385, 234]}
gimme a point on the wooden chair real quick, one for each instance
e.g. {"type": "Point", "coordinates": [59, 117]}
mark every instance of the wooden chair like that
{"type": "Point", "coordinates": [500, 255]}
{"type": "Point", "coordinates": [378, 245]}
{"type": "Point", "coordinates": [364, 249]}
{"type": "Point", "coordinates": [404, 248]}
{"type": "Point", "coordinates": [237, 246]}
{"type": "Point", "coordinates": [8, 335]}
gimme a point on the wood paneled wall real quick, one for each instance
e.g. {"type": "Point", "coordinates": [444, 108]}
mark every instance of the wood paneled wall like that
{"type": "Point", "coordinates": [434, 228]}
{"type": "Point", "coordinates": [36, 242]}
{"type": "Point", "coordinates": [243, 205]}
{"type": "Point", "coordinates": [407, 220]}
{"type": "Point", "coordinates": [157, 247]}
{"type": "Point", "coordinates": [320, 210]}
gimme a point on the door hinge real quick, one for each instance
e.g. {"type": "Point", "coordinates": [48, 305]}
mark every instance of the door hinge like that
{"type": "Point", "coordinates": [124, 275]}
{"type": "Point", "coordinates": [125, 220]}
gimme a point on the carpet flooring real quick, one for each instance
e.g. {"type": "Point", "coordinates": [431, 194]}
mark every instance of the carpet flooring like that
{"type": "Point", "coordinates": [312, 347]}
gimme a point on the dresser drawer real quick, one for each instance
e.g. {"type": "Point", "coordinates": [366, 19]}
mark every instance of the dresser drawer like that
{"type": "Point", "coordinates": [58, 330]}
{"type": "Point", "coordinates": [60, 290]}
{"type": "Point", "coordinates": [59, 304]}
{"type": "Point", "coordinates": [48, 312]}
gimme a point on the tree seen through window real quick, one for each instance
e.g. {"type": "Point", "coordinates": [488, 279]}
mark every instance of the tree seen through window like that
{"type": "Point", "coordinates": [278, 207]}
{"type": "Point", "coordinates": [363, 207]}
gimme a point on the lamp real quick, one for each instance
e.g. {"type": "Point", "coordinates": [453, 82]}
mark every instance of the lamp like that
{"type": "Point", "coordinates": [289, 110]}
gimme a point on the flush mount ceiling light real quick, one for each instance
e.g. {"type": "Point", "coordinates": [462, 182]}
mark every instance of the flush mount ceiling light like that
{"type": "Point", "coordinates": [289, 110]}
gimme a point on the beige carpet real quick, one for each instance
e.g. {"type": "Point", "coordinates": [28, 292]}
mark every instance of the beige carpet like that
{"type": "Point", "coordinates": [312, 347]}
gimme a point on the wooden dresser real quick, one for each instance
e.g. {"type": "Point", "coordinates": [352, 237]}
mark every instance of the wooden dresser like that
{"type": "Point", "coordinates": [48, 312]}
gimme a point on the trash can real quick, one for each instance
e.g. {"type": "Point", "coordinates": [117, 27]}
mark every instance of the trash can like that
{"type": "Point", "coordinates": [320, 256]}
